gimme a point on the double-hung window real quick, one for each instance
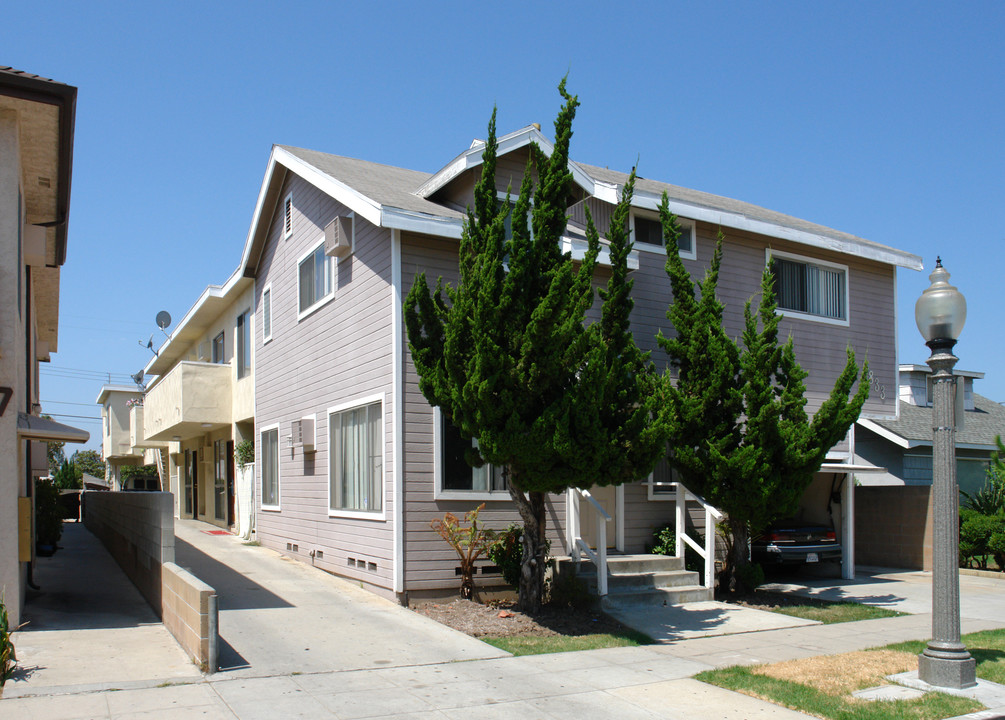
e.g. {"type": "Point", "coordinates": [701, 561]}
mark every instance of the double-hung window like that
{"type": "Point", "coordinates": [811, 288]}
{"type": "Point", "coordinates": [314, 275]}
{"type": "Point", "coordinates": [244, 344]}
{"type": "Point", "coordinates": [356, 459]}
{"type": "Point", "coordinates": [456, 478]}
{"type": "Point", "coordinates": [270, 467]}
{"type": "Point", "coordinates": [647, 233]}
{"type": "Point", "coordinates": [661, 479]}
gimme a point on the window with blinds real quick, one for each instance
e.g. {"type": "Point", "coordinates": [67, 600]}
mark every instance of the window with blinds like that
{"type": "Point", "coordinates": [809, 288]}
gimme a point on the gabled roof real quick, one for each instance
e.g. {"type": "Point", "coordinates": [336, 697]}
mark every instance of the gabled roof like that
{"type": "Point", "coordinates": [472, 157]}
{"type": "Point", "coordinates": [740, 215]}
{"type": "Point", "coordinates": [394, 197]}
{"type": "Point", "coordinates": [914, 428]}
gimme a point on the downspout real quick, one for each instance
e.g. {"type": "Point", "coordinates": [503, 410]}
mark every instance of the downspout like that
{"type": "Point", "coordinates": [399, 420]}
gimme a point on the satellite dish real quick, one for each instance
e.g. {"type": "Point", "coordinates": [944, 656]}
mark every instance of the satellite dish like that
{"type": "Point", "coordinates": [163, 319]}
{"type": "Point", "coordinates": [138, 378]}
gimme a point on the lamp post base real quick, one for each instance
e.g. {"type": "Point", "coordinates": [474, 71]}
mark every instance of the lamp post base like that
{"type": "Point", "coordinates": [947, 667]}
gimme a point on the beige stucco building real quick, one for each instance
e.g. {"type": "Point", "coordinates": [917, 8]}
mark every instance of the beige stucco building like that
{"type": "Point", "coordinates": [201, 405]}
{"type": "Point", "coordinates": [36, 153]}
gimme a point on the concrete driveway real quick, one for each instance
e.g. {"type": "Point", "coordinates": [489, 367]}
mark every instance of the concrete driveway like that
{"type": "Point", "coordinates": [279, 616]}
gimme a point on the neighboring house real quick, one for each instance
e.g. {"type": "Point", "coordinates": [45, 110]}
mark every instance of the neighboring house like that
{"type": "Point", "coordinates": [118, 446]}
{"type": "Point", "coordinates": [353, 463]}
{"type": "Point", "coordinates": [202, 402]}
{"type": "Point", "coordinates": [894, 503]}
{"type": "Point", "coordinates": [36, 159]}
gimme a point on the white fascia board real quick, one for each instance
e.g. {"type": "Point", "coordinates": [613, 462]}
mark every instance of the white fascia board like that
{"type": "Point", "coordinates": [256, 217]}
{"type": "Point", "coordinates": [607, 192]}
{"type": "Point", "coordinates": [106, 389]}
{"type": "Point", "coordinates": [578, 247]}
{"type": "Point", "coordinates": [890, 256]}
{"type": "Point", "coordinates": [353, 199]}
{"type": "Point", "coordinates": [398, 219]}
{"type": "Point", "coordinates": [884, 433]}
{"type": "Point", "coordinates": [472, 157]}
{"type": "Point", "coordinates": [211, 292]}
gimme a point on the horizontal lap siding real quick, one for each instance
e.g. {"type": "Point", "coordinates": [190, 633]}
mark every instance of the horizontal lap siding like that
{"type": "Point", "coordinates": [340, 353]}
{"type": "Point", "coordinates": [429, 560]}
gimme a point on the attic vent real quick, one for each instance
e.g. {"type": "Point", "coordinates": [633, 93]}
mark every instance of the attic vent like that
{"type": "Point", "coordinates": [288, 216]}
{"type": "Point", "coordinates": [44, 182]}
{"type": "Point", "coordinates": [338, 237]}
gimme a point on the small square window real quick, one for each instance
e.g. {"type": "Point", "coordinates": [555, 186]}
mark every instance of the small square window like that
{"type": "Point", "coordinates": [647, 233]}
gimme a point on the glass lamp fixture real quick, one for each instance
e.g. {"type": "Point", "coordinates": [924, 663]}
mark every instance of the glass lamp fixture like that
{"type": "Point", "coordinates": [941, 311]}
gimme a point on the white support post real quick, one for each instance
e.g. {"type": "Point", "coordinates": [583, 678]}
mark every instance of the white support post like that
{"type": "Point", "coordinates": [681, 506]}
{"type": "Point", "coordinates": [848, 527]}
{"type": "Point", "coordinates": [602, 555]}
{"type": "Point", "coordinates": [709, 549]}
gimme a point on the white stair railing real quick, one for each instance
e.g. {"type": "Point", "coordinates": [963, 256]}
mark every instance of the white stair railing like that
{"type": "Point", "coordinates": [712, 515]}
{"type": "Point", "coordinates": [598, 557]}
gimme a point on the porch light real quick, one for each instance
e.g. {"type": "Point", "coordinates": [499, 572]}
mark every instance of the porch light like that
{"type": "Point", "coordinates": [941, 311]}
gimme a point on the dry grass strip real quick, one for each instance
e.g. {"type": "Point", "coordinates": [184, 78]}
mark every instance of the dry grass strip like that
{"type": "Point", "coordinates": [842, 674]}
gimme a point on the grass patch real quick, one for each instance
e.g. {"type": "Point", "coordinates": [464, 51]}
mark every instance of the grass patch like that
{"type": "Point", "coordinates": [838, 612]}
{"type": "Point", "coordinates": [825, 684]}
{"type": "Point", "coordinates": [252, 543]}
{"type": "Point", "coordinates": [543, 644]}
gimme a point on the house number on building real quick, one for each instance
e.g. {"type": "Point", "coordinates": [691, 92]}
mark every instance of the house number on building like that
{"type": "Point", "coordinates": [876, 387]}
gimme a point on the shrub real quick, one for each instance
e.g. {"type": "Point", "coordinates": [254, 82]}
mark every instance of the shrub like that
{"type": "Point", "coordinates": [977, 531]}
{"type": "Point", "coordinates": [507, 553]}
{"type": "Point", "coordinates": [569, 591]}
{"type": "Point", "coordinates": [48, 515]}
{"type": "Point", "coordinates": [469, 543]}
{"type": "Point", "coordinates": [8, 659]}
{"type": "Point", "coordinates": [751, 576]}
{"type": "Point", "coordinates": [665, 543]}
{"type": "Point", "coordinates": [244, 452]}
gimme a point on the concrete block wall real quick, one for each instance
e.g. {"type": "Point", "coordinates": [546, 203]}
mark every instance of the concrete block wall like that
{"type": "Point", "coordinates": [189, 611]}
{"type": "Point", "coordinates": [137, 529]}
{"type": "Point", "coordinates": [893, 527]}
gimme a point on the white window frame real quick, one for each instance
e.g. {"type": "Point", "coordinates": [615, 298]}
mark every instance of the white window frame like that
{"type": "Point", "coordinates": [650, 247]}
{"type": "Point", "coordinates": [846, 321]}
{"type": "Point", "coordinates": [288, 217]}
{"type": "Point", "coordinates": [378, 515]}
{"type": "Point", "coordinates": [267, 312]}
{"type": "Point", "coordinates": [279, 472]}
{"type": "Point", "coordinates": [439, 493]}
{"type": "Point", "coordinates": [222, 337]}
{"type": "Point", "coordinates": [330, 275]}
{"type": "Point", "coordinates": [660, 497]}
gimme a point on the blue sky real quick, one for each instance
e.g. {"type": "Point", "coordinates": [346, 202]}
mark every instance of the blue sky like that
{"type": "Point", "coordinates": [885, 120]}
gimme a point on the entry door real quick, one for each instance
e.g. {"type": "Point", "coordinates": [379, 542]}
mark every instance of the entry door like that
{"type": "Point", "coordinates": [230, 482]}
{"type": "Point", "coordinates": [607, 497]}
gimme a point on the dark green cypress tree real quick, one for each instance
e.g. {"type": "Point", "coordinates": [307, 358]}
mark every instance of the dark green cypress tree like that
{"type": "Point", "coordinates": [508, 358]}
{"type": "Point", "coordinates": [740, 433]}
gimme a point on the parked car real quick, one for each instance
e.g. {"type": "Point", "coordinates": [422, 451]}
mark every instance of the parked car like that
{"type": "Point", "coordinates": [795, 542]}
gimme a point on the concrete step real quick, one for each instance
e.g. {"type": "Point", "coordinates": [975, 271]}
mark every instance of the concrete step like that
{"type": "Point", "coordinates": [626, 564]}
{"type": "Point", "coordinates": [655, 597]}
{"type": "Point", "coordinates": [643, 581]}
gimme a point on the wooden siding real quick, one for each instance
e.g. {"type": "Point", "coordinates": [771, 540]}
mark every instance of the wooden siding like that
{"type": "Point", "coordinates": [429, 561]}
{"type": "Point", "coordinates": [339, 353]}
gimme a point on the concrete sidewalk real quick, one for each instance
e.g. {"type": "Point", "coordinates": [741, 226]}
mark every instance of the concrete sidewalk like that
{"type": "Point", "coordinates": [382, 666]}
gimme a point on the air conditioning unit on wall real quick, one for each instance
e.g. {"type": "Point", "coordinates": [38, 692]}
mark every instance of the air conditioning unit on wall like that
{"type": "Point", "coordinates": [338, 236]}
{"type": "Point", "coordinates": [302, 434]}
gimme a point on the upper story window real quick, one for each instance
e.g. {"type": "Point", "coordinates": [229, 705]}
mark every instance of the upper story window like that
{"type": "Point", "coordinates": [812, 289]}
{"type": "Point", "coordinates": [647, 233]}
{"type": "Point", "coordinates": [218, 356]}
{"type": "Point", "coordinates": [314, 279]}
{"type": "Point", "coordinates": [661, 481]}
{"type": "Point", "coordinates": [244, 344]}
{"type": "Point", "coordinates": [356, 459]}
{"type": "Point", "coordinates": [267, 314]}
{"type": "Point", "coordinates": [288, 216]}
{"type": "Point", "coordinates": [455, 477]}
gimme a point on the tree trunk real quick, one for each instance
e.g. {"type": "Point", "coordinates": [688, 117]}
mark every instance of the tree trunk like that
{"type": "Point", "coordinates": [531, 508]}
{"type": "Point", "coordinates": [741, 554]}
